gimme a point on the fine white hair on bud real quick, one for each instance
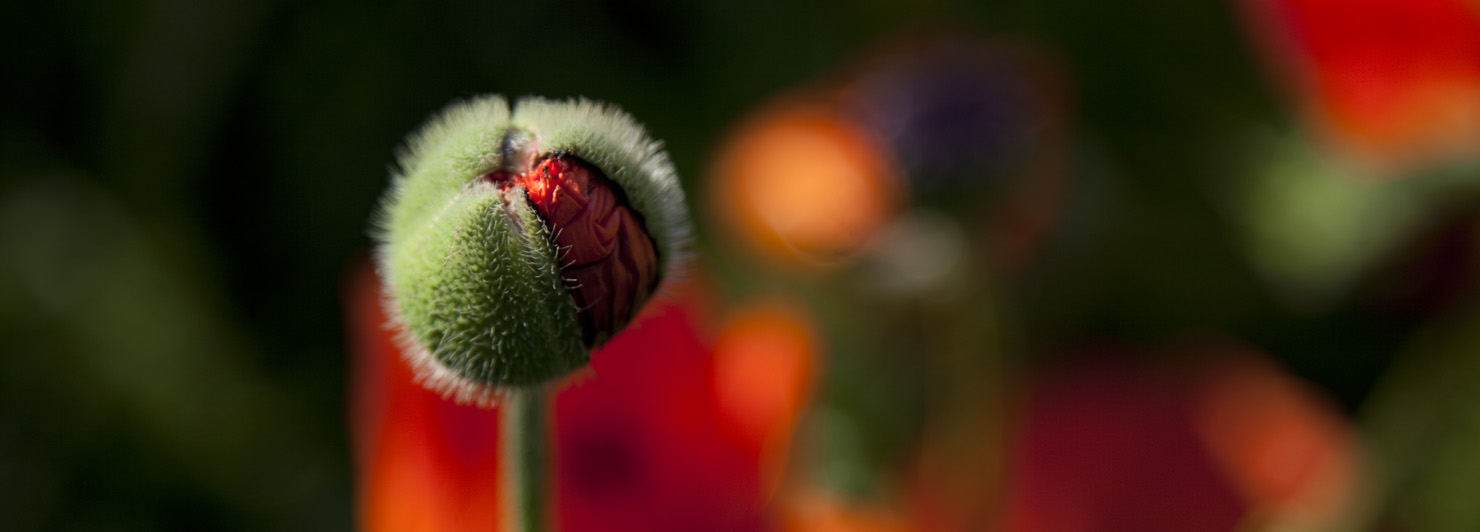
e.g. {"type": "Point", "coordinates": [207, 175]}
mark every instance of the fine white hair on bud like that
{"type": "Point", "coordinates": [514, 241]}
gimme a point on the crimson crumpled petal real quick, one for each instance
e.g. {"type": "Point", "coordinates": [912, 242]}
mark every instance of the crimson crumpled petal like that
{"type": "Point", "coordinates": [607, 257]}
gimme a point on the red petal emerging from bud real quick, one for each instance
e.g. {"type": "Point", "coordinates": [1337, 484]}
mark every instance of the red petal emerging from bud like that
{"type": "Point", "coordinates": [607, 257]}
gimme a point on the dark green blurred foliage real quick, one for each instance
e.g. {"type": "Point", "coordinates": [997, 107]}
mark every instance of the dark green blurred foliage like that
{"type": "Point", "coordinates": [182, 185]}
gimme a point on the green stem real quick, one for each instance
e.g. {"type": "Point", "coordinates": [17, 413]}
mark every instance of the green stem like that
{"type": "Point", "coordinates": [525, 432]}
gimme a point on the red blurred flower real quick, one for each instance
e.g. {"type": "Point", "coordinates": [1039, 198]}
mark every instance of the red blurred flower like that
{"type": "Point", "coordinates": [1394, 82]}
{"type": "Point", "coordinates": [637, 446]}
{"type": "Point", "coordinates": [1285, 449]}
{"type": "Point", "coordinates": [1232, 442]}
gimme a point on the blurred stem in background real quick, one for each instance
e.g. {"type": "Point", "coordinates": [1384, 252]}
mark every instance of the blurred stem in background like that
{"type": "Point", "coordinates": [1423, 426]}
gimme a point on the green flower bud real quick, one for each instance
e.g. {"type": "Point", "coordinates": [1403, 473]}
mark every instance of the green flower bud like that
{"type": "Point", "coordinates": [514, 243]}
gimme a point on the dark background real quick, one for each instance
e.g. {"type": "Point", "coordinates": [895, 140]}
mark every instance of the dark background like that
{"type": "Point", "coordinates": [184, 184]}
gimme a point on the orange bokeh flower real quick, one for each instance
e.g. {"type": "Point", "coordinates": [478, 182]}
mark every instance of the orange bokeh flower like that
{"type": "Point", "coordinates": [1287, 451]}
{"type": "Point", "coordinates": [799, 181]}
{"type": "Point", "coordinates": [766, 358]}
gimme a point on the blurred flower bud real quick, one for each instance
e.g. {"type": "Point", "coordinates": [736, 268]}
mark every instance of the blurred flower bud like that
{"type": "Point", "coordinates": [979, 128]}
{"type": "Point", "coordinates": [957, 109]}
{"type": "Point", "coordinates": [514, 242]}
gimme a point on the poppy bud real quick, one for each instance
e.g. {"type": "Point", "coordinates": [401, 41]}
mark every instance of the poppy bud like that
{"type": "Point", "coordinates": [515, 242]}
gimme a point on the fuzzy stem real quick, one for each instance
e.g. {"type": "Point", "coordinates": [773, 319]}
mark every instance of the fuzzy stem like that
{"type": "Point", "coordinates": [525, 431]}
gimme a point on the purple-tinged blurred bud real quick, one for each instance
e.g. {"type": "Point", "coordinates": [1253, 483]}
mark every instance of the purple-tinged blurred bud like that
{"type": "Point", "coordinates": [957, 109]}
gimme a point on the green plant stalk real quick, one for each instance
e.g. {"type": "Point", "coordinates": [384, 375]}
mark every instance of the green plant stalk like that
{"type": "Point", "coordinates": [525, 440]}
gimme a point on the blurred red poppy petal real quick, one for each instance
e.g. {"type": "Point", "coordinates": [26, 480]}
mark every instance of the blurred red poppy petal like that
{"type": "Point", "coordinates": [1229, 443]}
{"type": "Point", "coordinates": [637, 447]}
{"type": "Point", "coordinates": [1108, 447]}
{"type": "Point", "coordinates": [639, 444]}
{"type": "Point", "coordinates": [1395, 83]}
{"type": "Point", "coordinates": [424, 463]}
